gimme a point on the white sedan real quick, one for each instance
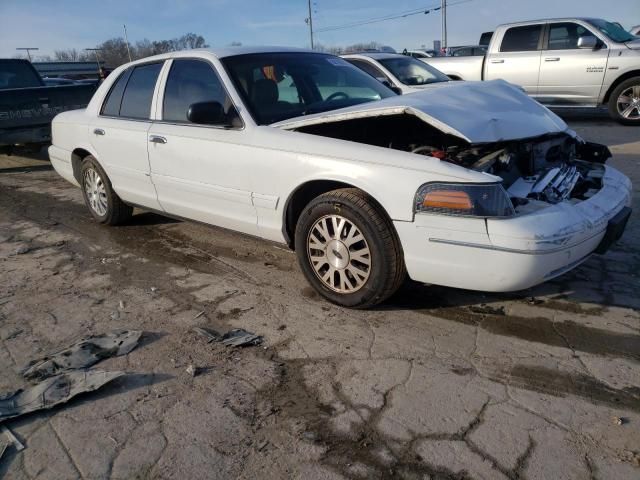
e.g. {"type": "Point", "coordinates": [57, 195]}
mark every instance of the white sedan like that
{"type": "Point", "coordinates": [402, 73]}
{"type": "Point", "coordinates": [470, 185]}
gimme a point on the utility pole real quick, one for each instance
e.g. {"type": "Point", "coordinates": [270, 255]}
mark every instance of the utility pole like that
{"type": "Point", "coordinates": [444, 23]}
{"type": "Point", "coordinates": [309, 21]}
{"type": "Point", "coordinates": [28, 49]}
{"type": "Point", "coordinates": [126, 39]}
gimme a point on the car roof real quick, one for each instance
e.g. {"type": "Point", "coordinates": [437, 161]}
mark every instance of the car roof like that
{"type": "Point", "coordinates": [224, 52]}
{"type": "Point", "coordinates": [374, 55]}
{"type": "Point", "coordinates": [546, 20]}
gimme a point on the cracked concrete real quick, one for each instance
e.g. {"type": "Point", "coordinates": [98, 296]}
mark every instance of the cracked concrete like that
{"type": "Point", "coordinates": [436, 383]}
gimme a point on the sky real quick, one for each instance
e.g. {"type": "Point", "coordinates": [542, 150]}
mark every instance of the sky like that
{"type": "Point", "coordinates": [61, 24]}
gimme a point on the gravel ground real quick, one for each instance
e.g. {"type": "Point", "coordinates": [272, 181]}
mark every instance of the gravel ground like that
{"type": "Point", "coordinates": [437, 383]}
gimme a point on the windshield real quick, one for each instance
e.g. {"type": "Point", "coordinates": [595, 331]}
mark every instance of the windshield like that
{"type": "Point", "coordinates": [413, 72]}
{"type": "Point", "coordinates": [613, 31]}
{"type": "Point", "coordinates": [279, 86]}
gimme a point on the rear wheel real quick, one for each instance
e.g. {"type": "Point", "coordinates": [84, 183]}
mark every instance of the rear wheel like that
{"type": "Point", "coordinates": [103, 203]}
{"type": "Point", "coordinates": [624, 102]}
{"type": "Point", "coordinates": [348, 249]}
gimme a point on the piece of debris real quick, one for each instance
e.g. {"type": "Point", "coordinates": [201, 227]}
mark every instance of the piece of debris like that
{"type": "Point", "coordinates": [11, 438]}
{"type": "Point", "coordinates": [262, 445]}
{"type": "Point", "coordinates": [282, 327]}
{"type": "Point", "coordinates": [199, 315]}
{"type": "Point", "coordinates": [192, 370]}
{"type": "Point", "coordinates": [114, 315]}
{"type": "Point", "coordinates": [210, 335]}
{"type": "Point", "coordinates": [619, 420]}
{"type": "Point", "coordinates": [84, 353]}
{"type": "Point", "coordinates": [153, 289]}
{"type": "Point", "coordinates": [239, 337]}
{"type": "Point", "coordinates": [487, 309]}
{"type": "Point", "coordinates": [21, 250]}
{"type": "Point", "coordinates": [121, 305]}
{"type": "Point", "coordinates": [53, 391]}
{"type": "Point", "coordinates": [534, 301]}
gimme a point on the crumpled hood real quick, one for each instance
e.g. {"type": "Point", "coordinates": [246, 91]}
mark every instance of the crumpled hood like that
{"type": "Point", "coordinates": [478, 112]}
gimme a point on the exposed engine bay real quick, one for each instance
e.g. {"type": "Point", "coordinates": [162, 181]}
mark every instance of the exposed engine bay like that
{"type": "Point", "coordinates": [535, 172]}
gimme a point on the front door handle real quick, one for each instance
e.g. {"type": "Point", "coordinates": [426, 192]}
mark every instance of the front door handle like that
{"type": "Point", "coordinates": [497, 61]}
{"type": "Point", "coordinates": [98, 131]}
{"type": "Point", "coordinates": [552, 59]}
{"type": "Point", "coordinates": [157, 139]}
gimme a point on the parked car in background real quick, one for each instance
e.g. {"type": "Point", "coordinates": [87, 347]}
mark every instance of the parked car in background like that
{"type": "Point", "coordinates": [27, 104]}
{"type": "Point", "coordinates": [467, 51]}
{"type": "Point", "coordinates": [419, 54]}
{"type": "Point", "coordinates": [403, 74]}
{"type": "Point", "coordinates": [471, 185]}
{"type": "Point", "coordinates": [567, 62]}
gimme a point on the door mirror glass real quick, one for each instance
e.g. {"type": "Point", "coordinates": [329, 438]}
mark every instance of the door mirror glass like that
{"type": "Point", "coordinates": [211, 113]}
{"type": "Point", "coordinates": [588, 41]}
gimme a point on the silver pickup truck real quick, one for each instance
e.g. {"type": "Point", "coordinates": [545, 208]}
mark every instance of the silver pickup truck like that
{"type": "Point", "coordinates": [564, 62]}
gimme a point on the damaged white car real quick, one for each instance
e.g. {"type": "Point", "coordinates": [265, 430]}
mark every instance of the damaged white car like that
{"type": "Point", "coordinates": [470, 185]}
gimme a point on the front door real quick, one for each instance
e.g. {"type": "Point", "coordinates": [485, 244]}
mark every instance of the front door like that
{"type": "Point", "coordinates": [119, 135]}
{"type": "Point", "coordinates": [570, 75]}
{"type": "Point", "coordinates": [201, 171]}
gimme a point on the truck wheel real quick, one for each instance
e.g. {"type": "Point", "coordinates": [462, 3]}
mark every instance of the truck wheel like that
{"type": "Point", "coordinates": [624, 102]}
{"type": "Point", "coordinates": [103, 203]}
{"type": "Point", "coordinates": [348, 250]}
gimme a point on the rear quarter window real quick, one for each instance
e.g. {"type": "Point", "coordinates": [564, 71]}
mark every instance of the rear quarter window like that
{"type": "Point", "coordinates": [111, 106]}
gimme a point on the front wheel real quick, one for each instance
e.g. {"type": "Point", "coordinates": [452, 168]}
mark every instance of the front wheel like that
{"type": "Point", "coordinates": [624, 103]}
{"type": "Point", "coordinates": [104, 204]}
{"type": "Point", "coordinates": [348, 249]}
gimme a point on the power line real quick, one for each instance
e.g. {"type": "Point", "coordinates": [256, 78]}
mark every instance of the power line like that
{"type": "Point", "coordinates": [407, 13]}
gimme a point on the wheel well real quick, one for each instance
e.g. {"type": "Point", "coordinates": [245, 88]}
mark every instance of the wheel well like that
{"type": "Point", "coordinates": [77, 156]}
{"type": "Point", "coordinates": [618, 81]}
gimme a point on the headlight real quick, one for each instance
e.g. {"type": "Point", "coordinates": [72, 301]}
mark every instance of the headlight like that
{"type": "Point", "coordinates": [467, 199]}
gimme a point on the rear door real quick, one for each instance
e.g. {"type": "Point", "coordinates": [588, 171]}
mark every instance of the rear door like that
{"type": "Point", "coordinates": [119, 134]}
{"type": "Point", "coordinates": [517, 59]}
{"type": "Point", "coordinates": [202, 172]}
{"type": "Point", "coordinates": [570, 75]}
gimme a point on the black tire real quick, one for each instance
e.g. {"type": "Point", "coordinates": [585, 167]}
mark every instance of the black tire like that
{"type": "Point", "coordinates": [613, 102]}
{"type": "Point", "coordinates": [116, 211]}
{"type": "Point", "coordinates": [386, 271]}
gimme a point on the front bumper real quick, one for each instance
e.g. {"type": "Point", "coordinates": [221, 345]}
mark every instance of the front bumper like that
{"type": "Point", "coordinates": [502, 255]}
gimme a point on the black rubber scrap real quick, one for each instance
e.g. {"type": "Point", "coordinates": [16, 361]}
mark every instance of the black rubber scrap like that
{"type": "Point", "coordinates": [82, 354]}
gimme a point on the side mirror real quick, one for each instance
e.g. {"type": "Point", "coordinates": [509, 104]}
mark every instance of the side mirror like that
{"type": "Point", "coordinates": [212, 113]}
{"type": "Point", "coordinates": [588, 42]}
{"type": "Point", "coordinates": [388, 84]}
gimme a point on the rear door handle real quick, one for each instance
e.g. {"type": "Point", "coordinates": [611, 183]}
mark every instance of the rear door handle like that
{"type": "Point", "coordinates": [157, 139]}
{"type": "Point", "coordinates": [98, 131]}
{"type": "Point", "coordinates": [497, 61]}
{"type": "Point", "coordinates": [552, 59]}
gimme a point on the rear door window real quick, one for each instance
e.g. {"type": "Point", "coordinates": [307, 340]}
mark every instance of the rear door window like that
{"type": "Point", "coordinates": [138, 94]}
{"type": "Point", "coordinates": [521, 39]}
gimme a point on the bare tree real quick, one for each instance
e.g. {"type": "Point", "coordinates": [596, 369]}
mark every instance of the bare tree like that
{"type": "Point", "coordinates": [70, 55]}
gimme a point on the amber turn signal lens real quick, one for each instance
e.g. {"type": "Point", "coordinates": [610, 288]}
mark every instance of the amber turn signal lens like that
{"type": "Point", "coordinates": [450, 199]}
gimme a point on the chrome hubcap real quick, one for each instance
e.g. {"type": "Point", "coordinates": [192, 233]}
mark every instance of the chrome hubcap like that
{"type": "Point", "coordinates": [339, 254]}
{"type": "Point", "coordinates": [629, 103]}
{"type": "Point", "coordinates": [96, 192]}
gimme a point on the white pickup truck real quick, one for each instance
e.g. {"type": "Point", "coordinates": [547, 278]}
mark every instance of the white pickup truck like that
{"type": "Point", "coordinates": [564, 62]}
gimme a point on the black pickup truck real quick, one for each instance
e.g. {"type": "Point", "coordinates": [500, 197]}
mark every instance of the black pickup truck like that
{"type": "Point", "coordinates": [27, 106]}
